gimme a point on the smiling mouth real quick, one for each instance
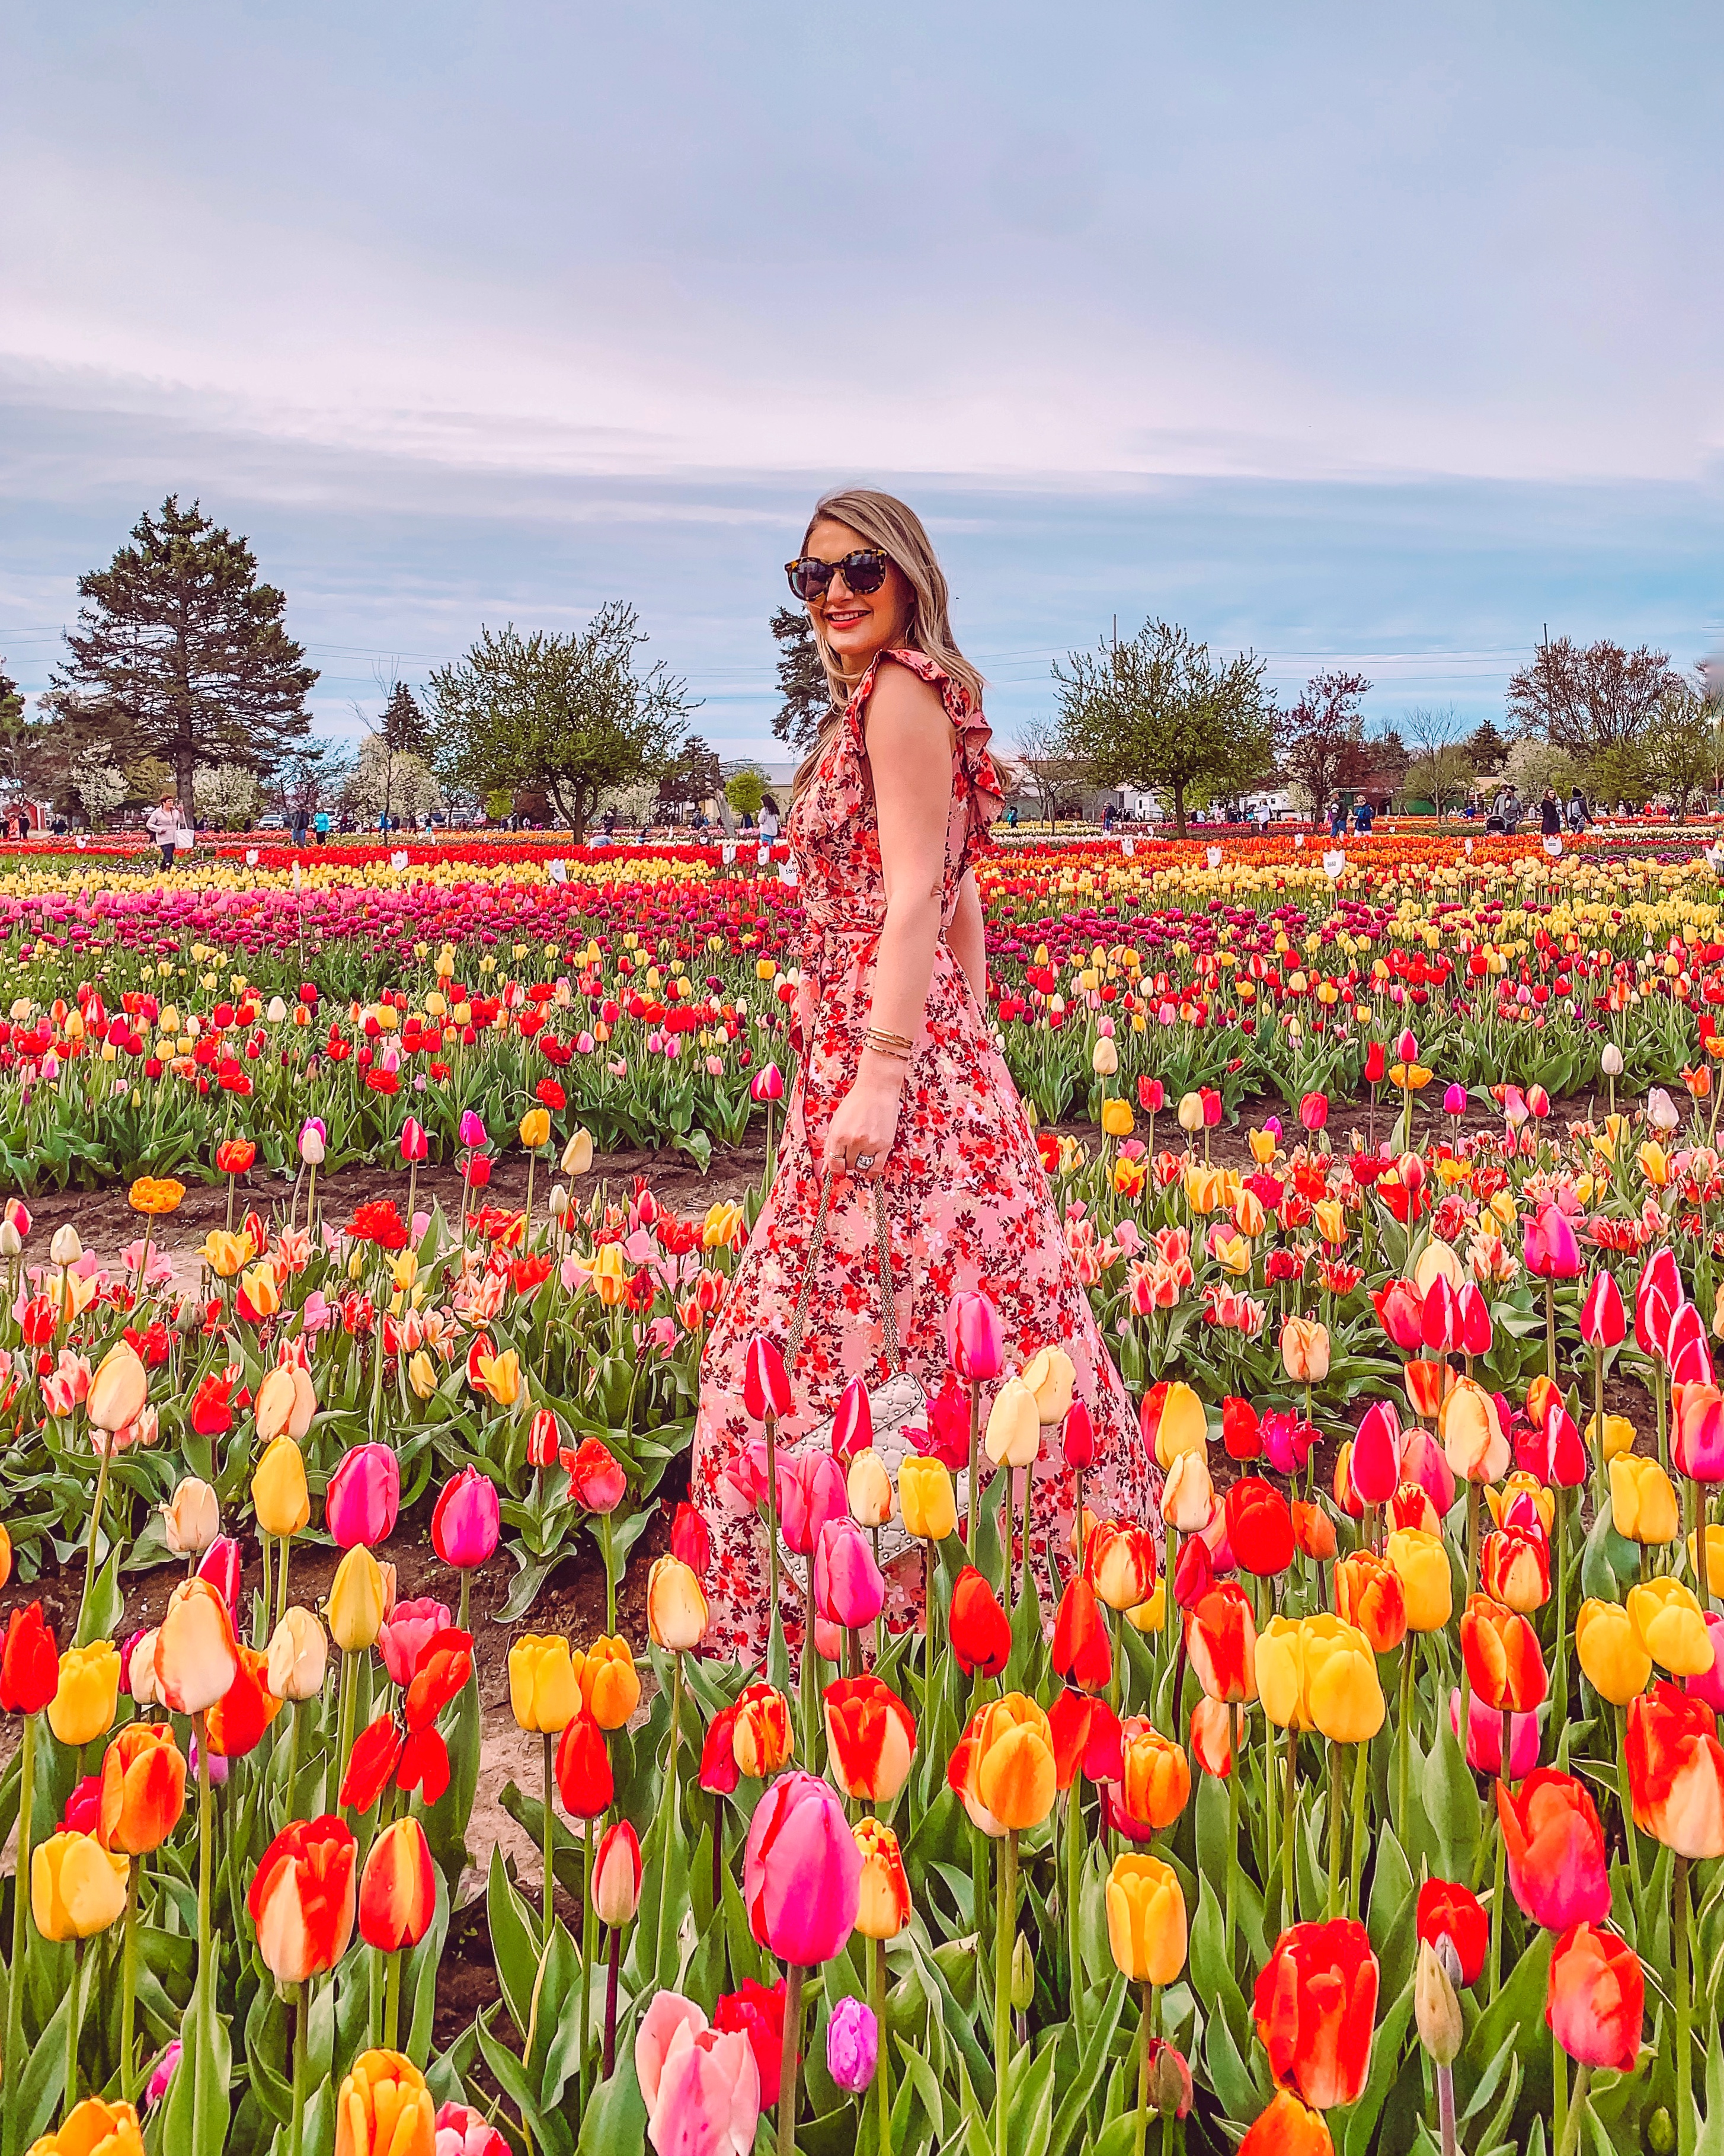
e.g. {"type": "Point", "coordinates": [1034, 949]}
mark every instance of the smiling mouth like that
{"type": "Point", "coordinates": [844, 618]}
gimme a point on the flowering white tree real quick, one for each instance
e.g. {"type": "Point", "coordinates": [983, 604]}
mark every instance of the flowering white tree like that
{"type": "Point", "coordinates": [228, 796]}
{"type": "Point", "coordinates": [97, 785]}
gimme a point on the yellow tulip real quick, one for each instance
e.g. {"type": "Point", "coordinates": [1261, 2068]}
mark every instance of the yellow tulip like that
{"type": "Point", "coordinates": [1346, 1695]}
{"type": "Point", "coordinates": [1182, 1426]}
{"type": "Point", "coordinates": [535, 1128]}
{"type": "Point", "coordinates": [1421, 1563]}
{"type": "Point", "coordinates": [83, 1705]}
{"type": "Point", "coordinates": [1642, 1500]}
{"type": "Point", "coordinates": [385, 2109]}
{"type": "Point", "coordinates": [1667, 1616]}
{"type": "Point", "coordinates": [502, 1377]}
{"type": "Point", "coordinates": [927, 1498]}
{"type": "Point", "coordinates": [1437, 1259]}
{"type": "Point", "coordinates": [119, 1389]}
{"type": "Point", "coordinates": [1117, 1119]}
{"type": "Point", "coordinates": [1013, 1435]}
{"type": "Point", "coordinates": [1049, 1376]}
{"type": "Point", "coordinates": [544, 1690]}
{"type": "Point", "coordinates": [1281, 1674]}
{"type": "Point", "coordinates": [1015, 1774]}
{"type": "Point", "coordinates": [77, 1887]}
{"type": "Point", "coordinates": [1145, 1919]}
{"type": "Point", "coordinates": [1611, 1653]}
{"type": "Point", "coordinates": [422, 1375]}
{"type": "Point", "coordinates": [262, 1289]}
{"type": "Point", "coordinates": [677, 1614]}
{"type": "Point", "coordinates": [278, 1490]}
{"type": "Point", "coordinates": [356, 1601]}
{"type": "Point", "coordinates": [224, 1252]}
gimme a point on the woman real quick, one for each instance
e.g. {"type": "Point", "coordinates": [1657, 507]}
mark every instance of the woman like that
{"type": "Point", "coordinates": [900, 1081]}
{"type": "Point", "coordinates": [768, 820]}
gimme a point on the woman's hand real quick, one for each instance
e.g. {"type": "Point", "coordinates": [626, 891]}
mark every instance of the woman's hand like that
{"type": "Point", "coordinates": [865, 1122]}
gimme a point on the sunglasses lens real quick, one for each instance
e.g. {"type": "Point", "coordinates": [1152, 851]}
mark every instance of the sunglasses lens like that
{"type": "Point", "coordinates": [864, 573]}
{"type": "Point", "coordinates": [809, 577]}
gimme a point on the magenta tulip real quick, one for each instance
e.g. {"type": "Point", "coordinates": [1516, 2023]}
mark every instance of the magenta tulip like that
{"type": "Point", "coordinates": [1422, 1461]}
{"type": "Point", "coordinates": [1440, 1322]}
{"type": "Point", "coordinates": [1709, 1685]}
{"type": "Point", "coordinates": [1604, 1322]}
{"type": "Point", "coordinates": [415, 1144]}
{"type": "Point", "coordinates": [1476, 1331]}
{"type": "Point", "coordinates": [1454, 1101]}
{"type": "Point", "coordinates": [407, 1631]}
{"type": "Point", "coordinates": [975, 1339]}
{"type": "Point", "coordinates": [1407, 1046]}
{"type": "Point", "coordinates": [853, 1425]}
{"type": "Point", "coordinates": [812, 1490]}
{"type": "Point", "coordinates": [1484, 1738]}
{"type": "Point", "coordinates": [700, 2086]}
{"type": "Point", "coordinates": [767, 1083]}
{"type": "Point", "coordinates": [802, 1871]}
{"type": "Point", "coordinates": [471, 1129]}
{"type": "Point", "coordinates": [1658, 1296]}
{"type": "Point", "coordinates": [848, 1589]}
{"type": "Point", "coordinates": [765, 1383]}
{"type": "Point", "coordinates": [1376, 1465]}
{"type": "Point", "coordinates": [363, 1497]}
{"type": "Point", "coordinates": [220, 1566]}
{"type": "Point", "coordinates": [1554, 1452]}
{"type": "Point", "coordinates": [1078, 1437]}
{"type": "Point", "coordinates": [1697, 1438]}
{"type": "Point", "coordinates": [1549, 1246]}
{"type": "Point", "coordinates": [468, 1521]}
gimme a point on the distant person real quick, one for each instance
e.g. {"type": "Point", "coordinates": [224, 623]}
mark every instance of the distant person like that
{"type": "Point", "coordinates": [299, 825]}
{"type": "Point", "coordinates": [768, 820]}
{"type": "Point", "coordinates": [1263, 818]}
{"type": "Point", "coordinates": [1338, 820]}
{"type": "Point", "coordinates": [1550, 814]}
{"type": "Point", "coordinates": [1011, 817]}
{"type": "Point", "coordinates": [320, 824]}
{"type": "Point", "coordinates": [163, 825]}
{"type": "Point", "coordinates": [1579, 814]}
{"type": "Point", "coordinates": [1363, 818]}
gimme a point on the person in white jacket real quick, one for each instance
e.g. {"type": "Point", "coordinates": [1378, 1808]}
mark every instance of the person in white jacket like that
{"type": "Point", "coordinates": [163, 824]}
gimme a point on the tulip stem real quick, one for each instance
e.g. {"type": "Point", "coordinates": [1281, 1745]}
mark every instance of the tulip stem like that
{"type": "Point", "coordinates": [975, 1457]}
{"type": "Point", "coordinates": [391, 2000]}
{"type": "Point", "coordinates": [203, 2076]}
{"type": "Point", "coordinates": [1625, 1794]}
{"type": "Point", "coordinates": [609, 2061]}
{"type": "Point", "coordinates": [1144, 2021]}
{"type": "Point", "coordinates": [1074, 1895]}
{"type": "Point", "coordinates": [1684, 2017]}
{"type": "Point", "coordinates": [1550, 1329]}
{"type": "Point", "coordinates": [792, 2059]}
{"type": "Point", "coordinates": [1290, 1822]}
{"type": "Point", "coordinates": [74, 2023]}
{"type": "Point", "coordinates": [1403, 1736]}
{"type": "Point", "coordinates": [668, 1817]}
{"type": "Point", "coordinates": [1356, 1870]}
{"type": "Point", "coordinates": [1602, 1468]}
{"type": "Point", "coordinates": [1026, 1583]}
{"type": "Point", "coordinates": [1577, 2111]}
{"type": "Point", "coordinates": [20, 1907]}
{"type": "Point", "coordinates": [589, 1941]}
{"type": "Point", "coordinates": [549, 1823]}
{"type": "Point", "coordinates": [295, 1709]}
{"type": "Point", "coordinates": [1472, 1569]}
{"type": "Point", "coordinates": [129, 1981]}
{"type": "Point", "coordinates": [1559, 2089]}
{"type": "Point", "coordinates": [95, 1523]}
{"type": "Point", "coordinates": [281, 1590]}
{"type": "Point", "coordinates": [350, 1699]}
{"type": "Point", "coordinates": [1499, 1892]}
{"type": "Point", "coordinates": [295, 2135]}
{"type": "Point", "coordinates": [1005, 1939]}
{"type": "Point", "coordinates": [1236, 1768]}
{"type": "Point", "coordinates": [1334, 1830]}
{"type": "Point", "coordinates": [771, 1420]}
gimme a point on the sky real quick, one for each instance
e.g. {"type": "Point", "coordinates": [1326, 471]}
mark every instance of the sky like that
{"type": "Point", "coordinates": [1376, 339]}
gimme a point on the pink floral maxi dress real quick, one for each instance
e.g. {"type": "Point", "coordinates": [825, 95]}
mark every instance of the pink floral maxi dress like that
{"type": "Point", "coordinates": [967, 1200]}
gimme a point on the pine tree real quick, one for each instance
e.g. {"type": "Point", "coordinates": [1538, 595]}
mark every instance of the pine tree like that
{"type": "Point", "coordinates": [802, 681]}
{"type": "Point", "coordinates": [180, 652]}
{"type": "Point", "coordinates": [405, 728]}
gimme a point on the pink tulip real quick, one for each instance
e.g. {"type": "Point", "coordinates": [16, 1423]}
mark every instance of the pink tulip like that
{"type": "Point", "coordinates": [1454, 1101]}
{"type": "Point", "coordinates": [468, 1520]}
{"type": "Point", "coordinates": [812, 1490]}
{"type": "Point", "coordinates": [743, 1487]}
{"type": "Point", "coordinates": [1604, 1322]}
{"type": "Point", "coordinates": [459, 2130]}
{"type": "Point", "coordinates": [415, 1145]}
{"type": "Point", "coordinates": [802, 1871]}
{"type": "Point", "coordinates": [1687, 1355]}
{"type": "Point", "coordinates": [1376, 1464]}
{"type": "Point", "coordinates": [471, 1129]}
{"type": "Point", "coordinates": [1697, 1440]}
{"type": "Point", "coordinates": [853, 1425]}
{"type": "Point", "coordinates": [220, 1566]}
{"type": "Point", "coordinates": [766, 1383]}
{"type": "Point", "coordinates": [701, 2087]}
{"type": "Point", "coordinates": [1423, 1462]}
{"type": "Point", "coordinates": [1484, 1738]}
{"type": "Point", "coordinates": [1476, 1333]}
{"type": "Point", "coordinates": [1407, 1047]}
{"type": "Point", "coordinates": [1658, 1296]}
{"type": "Point", "coordinates": [1439, 1321]}
{"type": "Point", "coordinates": [1314, 1111]}
{"type": "Point", "coordinates": [1555, 1846]}
{"type": "Point", "coordinates": [767, 1083]}
{"type": "Point", "coordinates": [975, 1339]}
{"type": "Point", "coordinates": [1709, 1685]}
{"type": "Point", "coordinates": [1078, 1437]}
{"type": "Point", "coordinates": [363, 1497]}
{"type": "Point", "coordinates": [1549, 1246]}
{"type": "Point", "coordinates": [405, 1633]}
{"type": "Point", "coordinates": [161, 2079]}
{"type": "Point", "coordinates": [828, 1640]}
{"type": "Point", "coordinates": [848, 1589]}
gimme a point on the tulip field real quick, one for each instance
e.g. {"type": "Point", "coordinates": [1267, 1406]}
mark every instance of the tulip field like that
{"type": "Point", "coordinates": [1369, 1797]}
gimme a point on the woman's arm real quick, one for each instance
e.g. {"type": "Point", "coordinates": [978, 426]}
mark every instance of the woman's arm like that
{"type": "Point", "coordinates": [910, 761]}
{"type": "Point", "coordinates": [965, 940]}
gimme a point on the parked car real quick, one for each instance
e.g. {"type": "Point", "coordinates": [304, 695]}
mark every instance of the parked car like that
{"type": "Point", "coordinates": [272, 822]}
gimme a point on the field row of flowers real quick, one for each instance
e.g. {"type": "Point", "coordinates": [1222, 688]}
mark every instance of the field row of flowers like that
{"type": "Point", "coordinates": [642, 999]}
{"type": "Point", "coordinates": [1378, 1810]}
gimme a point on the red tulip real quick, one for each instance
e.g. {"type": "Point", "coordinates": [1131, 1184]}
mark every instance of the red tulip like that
{"type": "Point", "coordinates": [719, 1773]}
{"type": "Point", "coordinates": [981, 1637]}
{"type": "Point", "coordinates": [442, 1671]}
{"type": "Point", "coordinates": [1658, 1297]}
{"type": "Point", "coordinates": [1083, 1655]}
{"type": "Point", "coordinates": [1675, 1767]}
{"type": "Point", "coordinates": [1596, 1999]}
{"type": "Point", "coordinates": [1555, 1848]}
{"type": "Point", "coordinates": [1452, 1912]}
{"type": "Point", "coordinates": [1078, 1437]}
{"type": "Point", "coordinates": [398, 1889]}
{"type": "Point", "coordinates": [1376, 1063]}
{"type": "Point", "coordinates": [1604, 1322]}
{"type": "Point", "coordinates": [691, 1540]}
{"type": "Point", "coordinates": [1259, 1527]}
{"type": "Point", "coordinates": [237, 1722]}
{"type": "Point", "coordinates": [1221, 1639]}
{"type": "Point", "coordinates": [584, 1779]}
{"type": "Point", "coordinates": [757, 2012]}
{"type": "Point", "coordinates": [853, 1422]}
{"type": "Point", "coordinates": [1314, 2005]}
{"type": "Point", "coordinates": [543, 1439]}
{"type": "Point", "coordinates": [29, 1663]}
{"type": "Point", "coordinates": [1194, 1573]}
{"type": "Point", "coordinates": [1502, 1656]}
{"type": "Point", "coordinates": [302, 1899]}
{"type": "Point", "coordinates": [1554, 1451]}
{"type": "Point", "coordinates": [1239, 1430]}
{"type": "Point", "coordinates": [1400, 1309]}
{"type": "Point", "coordinates": [371, 1764]}
{"type": "Point", "coordinates": [1314, 1111]}
{"type": "Point", "coordinates": [975, 1339]}
{"type": "Point", "coordinates": [1439, 1321]}
{"type": "Point", "coordinates": [596, 1479]}
{"type": "Point", "coordinates": [1687, 1355]}
{"type": "Point", "coordinates": [765, 1384]}
{"type": "Point", "coordinates": [415, 1145]}
{"type": "Point", "coordinates": [1476, 1333]}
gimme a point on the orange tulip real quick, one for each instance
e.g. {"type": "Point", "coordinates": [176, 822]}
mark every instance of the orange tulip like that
{"type": "Point", "coordinates": [1675, 1767]}
{"type": "Point", "coordinates": [1514, 1568]}
{"type": "Point", "coordinates": [237, 1722]}
{"type": "Point", "coordinates": [884, 1906]}
{"type": "Point", "coordinates": [761, 1735]}
{"type": "Point", "coordinates": [1502, 1656]}
{"type": "Point", "coordinates": [870, 1739]}
{"type": "Point", "coordinates": [143, 1789]}
{"type": "Point", "coordinates": [1288, 2129]}
{"type": "Point", "coordinates": [1155, 1784]}
{"type": "Point", "coordinates": [1368, 1595]}
{"type": "Point", "coordinates": [385, 2109]}
{"type": "Point", "coordinates": [1221, 1639]}
{"type": "Point", "coordinates": [398, 1889]}
{"type": "Point", "coordinates": [1011, 1765]}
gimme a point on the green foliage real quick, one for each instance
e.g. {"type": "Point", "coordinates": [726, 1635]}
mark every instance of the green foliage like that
{"type": "Point", "coordinates": [1157, 712]}
{"type": "Point", "coordinates": [746, 791]}
{"type": "Point", "coordinates": [571, 715]}
{"type": "Point", "coordinates": [805, 696]}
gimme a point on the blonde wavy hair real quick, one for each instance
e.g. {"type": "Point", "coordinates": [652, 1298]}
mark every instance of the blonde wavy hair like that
{"type": "Point", "coordinates": [893, 526]}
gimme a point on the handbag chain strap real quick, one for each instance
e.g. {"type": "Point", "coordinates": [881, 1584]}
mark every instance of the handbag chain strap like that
{"type": "Point", "coordinates": [889, 1308]}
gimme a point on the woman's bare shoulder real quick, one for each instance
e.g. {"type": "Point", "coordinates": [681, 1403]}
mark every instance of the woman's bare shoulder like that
{"type": "Point", "coordinates": [907, 704]}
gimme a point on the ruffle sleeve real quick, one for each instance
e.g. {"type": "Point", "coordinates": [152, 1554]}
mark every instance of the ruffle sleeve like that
{"type": "Point", "coordinates": [981, 778]}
